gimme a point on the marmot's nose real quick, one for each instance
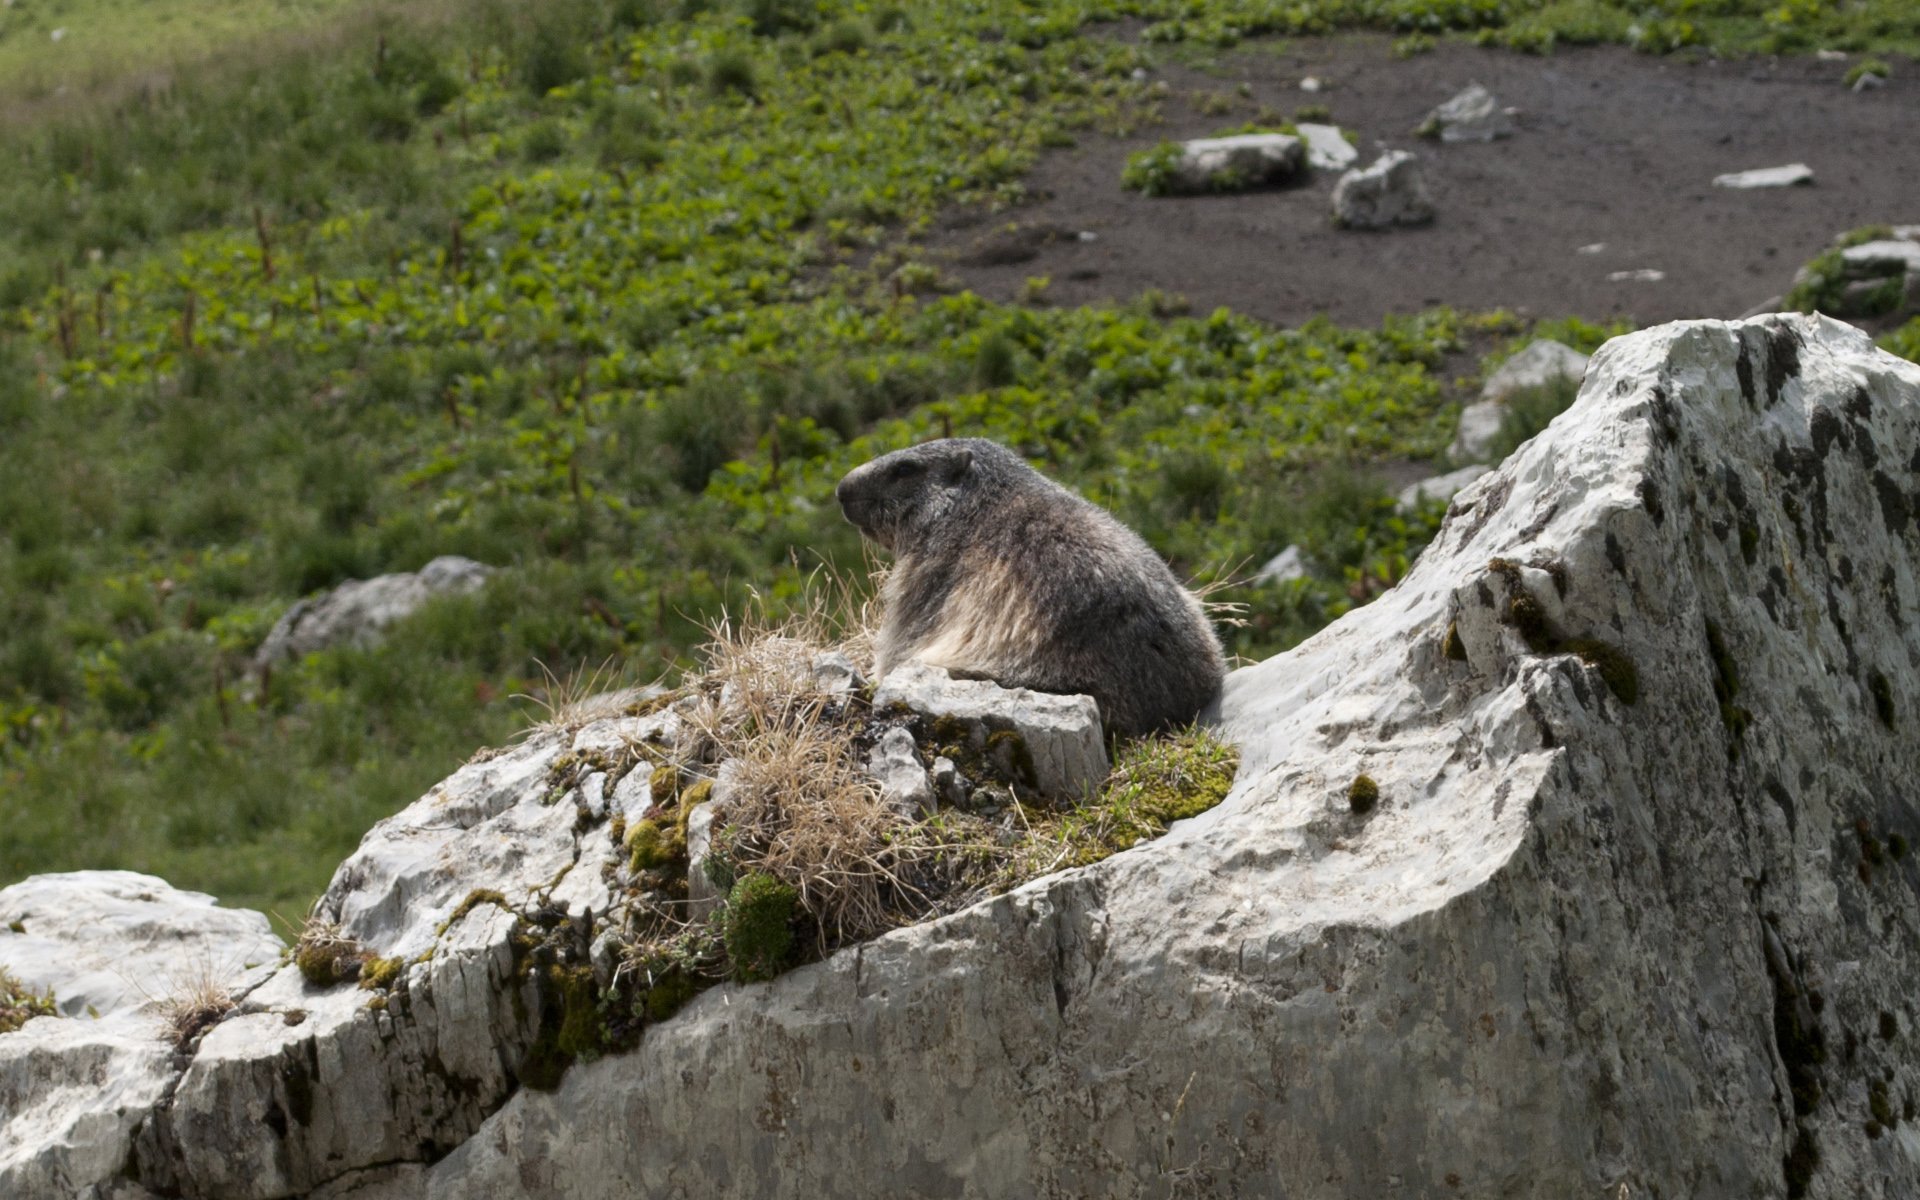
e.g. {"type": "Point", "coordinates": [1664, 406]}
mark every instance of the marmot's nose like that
{"type": "Point", "coordinates": [842, 492]}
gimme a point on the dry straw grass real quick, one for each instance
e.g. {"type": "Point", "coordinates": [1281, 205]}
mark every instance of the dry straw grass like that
{"type": "Point", "coordinates": [195, 1001]}
{"type": "Point", "coordinates": [799, 806]}
{"type": "Point", "coordinates": [580, 697]}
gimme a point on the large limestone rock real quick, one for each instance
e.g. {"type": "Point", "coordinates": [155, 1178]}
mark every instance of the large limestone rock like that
{"type": "Point", "coordinates": [1633, 905]}
{"type": "Point", "coordinates": [1327, 147]}
{"type": "Point", "coordinates": [1580, 943]}
{"type": "Point", "coordinates": [358, 611]}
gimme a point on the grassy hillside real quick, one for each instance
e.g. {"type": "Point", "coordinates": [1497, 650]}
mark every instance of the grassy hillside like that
{"type": "Point", "coordinates": [607, 294]}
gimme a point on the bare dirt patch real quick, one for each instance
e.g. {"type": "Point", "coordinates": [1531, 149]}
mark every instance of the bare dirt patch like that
{"type": "Point", "coordinates": [1614, 149]}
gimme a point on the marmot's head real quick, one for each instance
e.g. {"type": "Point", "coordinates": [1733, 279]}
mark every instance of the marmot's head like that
{"type": "Point", "coordinates": [907, 491]}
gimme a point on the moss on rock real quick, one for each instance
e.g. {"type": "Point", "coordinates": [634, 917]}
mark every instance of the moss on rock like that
{"type": "Point", "coordinates": [757, 926]}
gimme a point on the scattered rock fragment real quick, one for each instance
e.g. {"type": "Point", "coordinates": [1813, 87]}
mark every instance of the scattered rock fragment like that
{"type": "Point", "coordinates": [1472, 116]}
{"type": "Point", "coordinates": [1879, 277]}
{"type": "Point", "coordinates": [1388, 193]}
{"type": "Point", "coordinates": [1883, 257]}
{"type": "Point", "coordinates": [1791, 175]}
{"type": "Point", "coordinates": [1637, 275]}
{"type": "Point", "coordinates": [904, 785]}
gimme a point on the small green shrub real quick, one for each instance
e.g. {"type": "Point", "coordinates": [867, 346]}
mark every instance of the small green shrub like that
{"type": "Point", "coordinates": [1154, 171]}
{"type": "Point", "coordinates": [554, 56]}
{"type": "Point", "coordinates": [732, 71]}
{"type": "Point", "coordinates": [848, 35]}
{"type": "Point", "coordinates": [544, 142]}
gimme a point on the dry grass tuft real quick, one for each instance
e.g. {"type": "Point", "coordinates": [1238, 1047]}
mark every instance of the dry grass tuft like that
{"type": "Point", "coordinates": [799, 806]}
{"type": "Point", "coordinates": [800, 809]}
{"type": "Point", "coordinates": [195, 1003]}
{"type": "Point", "coordinates": [583, 696]}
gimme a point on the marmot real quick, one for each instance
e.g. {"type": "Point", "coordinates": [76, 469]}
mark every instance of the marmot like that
{"type": "Point", "coordinates": [1000, 573]}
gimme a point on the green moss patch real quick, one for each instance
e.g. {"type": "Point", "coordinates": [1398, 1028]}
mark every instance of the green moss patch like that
{"type": "Point", "coordinates": [1363, 795]}
{"type": "Point", "coordinates": [326, 957]}
{"type": "Point", "coordinates": [757, 926]}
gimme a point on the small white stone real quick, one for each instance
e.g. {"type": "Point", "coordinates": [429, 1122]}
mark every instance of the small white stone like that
{"type": "Point", "coordinates": [1284, 567]}
{"type": "Point", "coordinates": [1791, 175]}
{"type": "Point", "coordinates": [1472, 116]}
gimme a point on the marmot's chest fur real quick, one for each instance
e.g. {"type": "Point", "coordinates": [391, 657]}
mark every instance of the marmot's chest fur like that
{"type": "Point", "coordinates": [1001, 573]}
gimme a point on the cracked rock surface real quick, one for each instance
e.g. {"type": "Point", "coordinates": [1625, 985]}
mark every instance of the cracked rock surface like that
{"type": "Point", "coordinates": [1635, 904]}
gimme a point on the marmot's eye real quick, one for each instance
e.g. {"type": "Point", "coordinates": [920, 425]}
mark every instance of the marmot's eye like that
{"type": "Point", "coordinates": [905, 469]}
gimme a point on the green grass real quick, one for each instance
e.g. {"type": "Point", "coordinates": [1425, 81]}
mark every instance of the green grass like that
{"type": "Point", "coordinates": [105, 46]}
{"type": "Point", "coordinates": [607, 294]}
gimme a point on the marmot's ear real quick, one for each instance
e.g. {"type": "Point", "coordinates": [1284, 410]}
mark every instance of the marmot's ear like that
{"type": "Point", "coordinates": [957, 463]}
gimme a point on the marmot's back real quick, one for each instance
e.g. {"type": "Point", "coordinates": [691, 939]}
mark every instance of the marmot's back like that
{"type": "Point", "coordinates": [999, 572]}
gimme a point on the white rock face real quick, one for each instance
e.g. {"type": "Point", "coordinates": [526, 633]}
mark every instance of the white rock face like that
{"type": "Point", "coordinates": [116, 944]}
{"type": "Point", "coordinates": [1061, 735]}
{"type": "Point", "coordinates": [1642, 721]}
{"type": "Point", "coordinates": [1791, 175]}
{"type": "Point", "coordinates": [1472, 116]}
{"type": "Point", "coordinates": [110, 942]}
{"type": "Point", "coordinates": [1243, 161]}
{"type": "Point", "coordinates": [1388, 193]}
{"type": "Point", "coordinates": [1562, 955]}
{"type": "Point", "coordinates": [358, 611]}
{"type": "Point", "coordinates": [1327, 148]}
{"type": "Point", "coordinates": [1541, 363]}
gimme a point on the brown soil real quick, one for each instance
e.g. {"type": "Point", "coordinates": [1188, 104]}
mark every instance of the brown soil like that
{"type": "Point", "coordinates": [1613, 147]}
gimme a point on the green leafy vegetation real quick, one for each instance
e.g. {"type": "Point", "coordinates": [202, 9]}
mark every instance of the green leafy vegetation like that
{"type": "Point", "coordinates": [606, 294]}
{"type": "Point", "coordinates": [20, 1003]}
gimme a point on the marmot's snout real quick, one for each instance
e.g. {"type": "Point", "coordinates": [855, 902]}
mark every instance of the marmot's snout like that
{"type": "Point", "coordinates": [853, 501]}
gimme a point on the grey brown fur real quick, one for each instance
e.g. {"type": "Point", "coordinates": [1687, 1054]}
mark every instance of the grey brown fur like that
{"type": "Point", "coordinates": [1003, 574]}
